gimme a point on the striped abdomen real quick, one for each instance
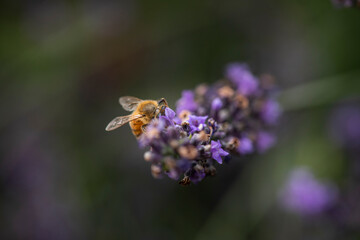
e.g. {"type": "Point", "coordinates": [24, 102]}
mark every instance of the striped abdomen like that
{"type": "Point", "coordinates": [136, 127]}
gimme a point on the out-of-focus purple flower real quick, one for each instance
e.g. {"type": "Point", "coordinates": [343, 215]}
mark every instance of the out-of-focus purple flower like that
{"type": "Point", "coordinates": [217, 152]}
{"type": "Point", "coordinates": [345, 3]}
{"type": "Point", "coordinates": [246, 146]}
{"type": "Point", "coordinates": [197, 122]}
{"type": "Point", "coordinates": [306, 195]}
{"type": "Point", "coordinates": [186, 102]}
{"type": "Point", "coordinates": [265, 141]}
{"type": "Point", "coordinates": [153, 133]}
{"type": "Point", "coordinates": [270, 111]}
{"type": "Point", "coordinates": [169, 113]}
{"type": "Point", "coordinates": [240, 75]}
{"type": "Point", "coordinates": [345, 126]}
{"type": "Point", "coordinates": [216, 104]}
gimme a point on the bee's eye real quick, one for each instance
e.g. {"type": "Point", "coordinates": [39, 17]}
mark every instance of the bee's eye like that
{"type": "Point", "coordinates": [149, 108]}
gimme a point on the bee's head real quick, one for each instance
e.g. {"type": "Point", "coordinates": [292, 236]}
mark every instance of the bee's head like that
{"type": "Point", "coordinates": [149, 109]}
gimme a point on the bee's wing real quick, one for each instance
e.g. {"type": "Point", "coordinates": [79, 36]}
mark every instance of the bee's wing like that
{"type": "Point", "coordinates": [119, 121]}
{"type": "Point", "coordinates": [129, 103]}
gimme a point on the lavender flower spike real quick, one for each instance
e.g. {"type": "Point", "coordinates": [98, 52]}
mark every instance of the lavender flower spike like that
{"type": "Point", "coordinates": [210, 123]}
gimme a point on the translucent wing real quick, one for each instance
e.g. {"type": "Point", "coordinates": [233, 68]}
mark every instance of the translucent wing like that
{"type": "Point", "coordinates": [129, 103]}
{"type": "Point", "coordinates": [119, 121]}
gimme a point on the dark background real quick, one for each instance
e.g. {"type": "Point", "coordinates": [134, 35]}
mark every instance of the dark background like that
{"type": "Point", "coordinates": [63, 65]}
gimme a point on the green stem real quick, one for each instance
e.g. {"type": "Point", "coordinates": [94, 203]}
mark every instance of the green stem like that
{"type": "Point", "coordinates": [321, 92]}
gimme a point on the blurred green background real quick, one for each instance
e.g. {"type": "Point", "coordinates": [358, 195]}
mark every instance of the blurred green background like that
{"type": "Point", "coordinates": [65, 63]}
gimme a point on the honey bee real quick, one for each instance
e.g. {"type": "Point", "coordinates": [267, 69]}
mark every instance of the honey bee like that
{"type": "Point", "coordinates": [143, 111]}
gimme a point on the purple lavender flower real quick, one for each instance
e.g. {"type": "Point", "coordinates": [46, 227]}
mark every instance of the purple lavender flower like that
{"type": "Point", "coordinates": [246, 146]}
{"type": "Point", "coordinates": [186, 102]}
{"type": "Point", "coordinates": [265, 141]}
{"type": "Point", "coordinates": [217, 152]}
{"type": "Point", "coordinates": [216, 104]}
{"type": "Point", "coordinates": [270, 112]}
{"type": "Point", "coordinates": [197, 123]}
{"type": "Point", "coordinates": [170, 117]}
{"type": "Point", "coordinates": [345, 126]}
{"type": "Point", "coordinates": [305, 195]}
{"type": "Point", "coordinates": [170, 113]}
{"type": "Point", "coordinates": [240, 75]}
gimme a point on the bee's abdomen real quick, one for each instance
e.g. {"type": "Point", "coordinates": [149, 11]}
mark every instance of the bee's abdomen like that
{"type": "Point", "coordinates": [136, 127]}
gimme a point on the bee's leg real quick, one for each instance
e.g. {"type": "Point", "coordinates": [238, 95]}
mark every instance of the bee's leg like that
{"type": "Point", "coordinates": [162, 110]}
{"type": "Point", "coordinates": [163, 102]}
{"type": "Point", "coordinates": [143, 127]}
{"type": "Point", "coordinates": [157, 112]}
{"type": "Point", "coordinates": [162, 105]}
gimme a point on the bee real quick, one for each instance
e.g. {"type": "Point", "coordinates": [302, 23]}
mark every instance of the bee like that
{"type": "Point", "coordinates": [143, 111]}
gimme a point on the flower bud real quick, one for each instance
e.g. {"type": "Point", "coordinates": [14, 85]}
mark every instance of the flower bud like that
{"type": "Point", "coordinates": [170, 163]}
{"type": "Point", "coordinates": [241, 101]}
{"type": "Point", "coordinates": [184, 115]}
{"type": "Point", "coordinates": [210, 171]}
{"type": "Point", "coordinates": [188, 152]}
{"type": "Point", "coordinates": [226, 92]}
{"type": "Point", "coordinates": [156, 171]}
{"type": "Point", "coordinates": [223, 115]}
{"type": "Point", "coordinates": [233, 143]}
{"type": "Point", "coordinates": [150, 156]}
